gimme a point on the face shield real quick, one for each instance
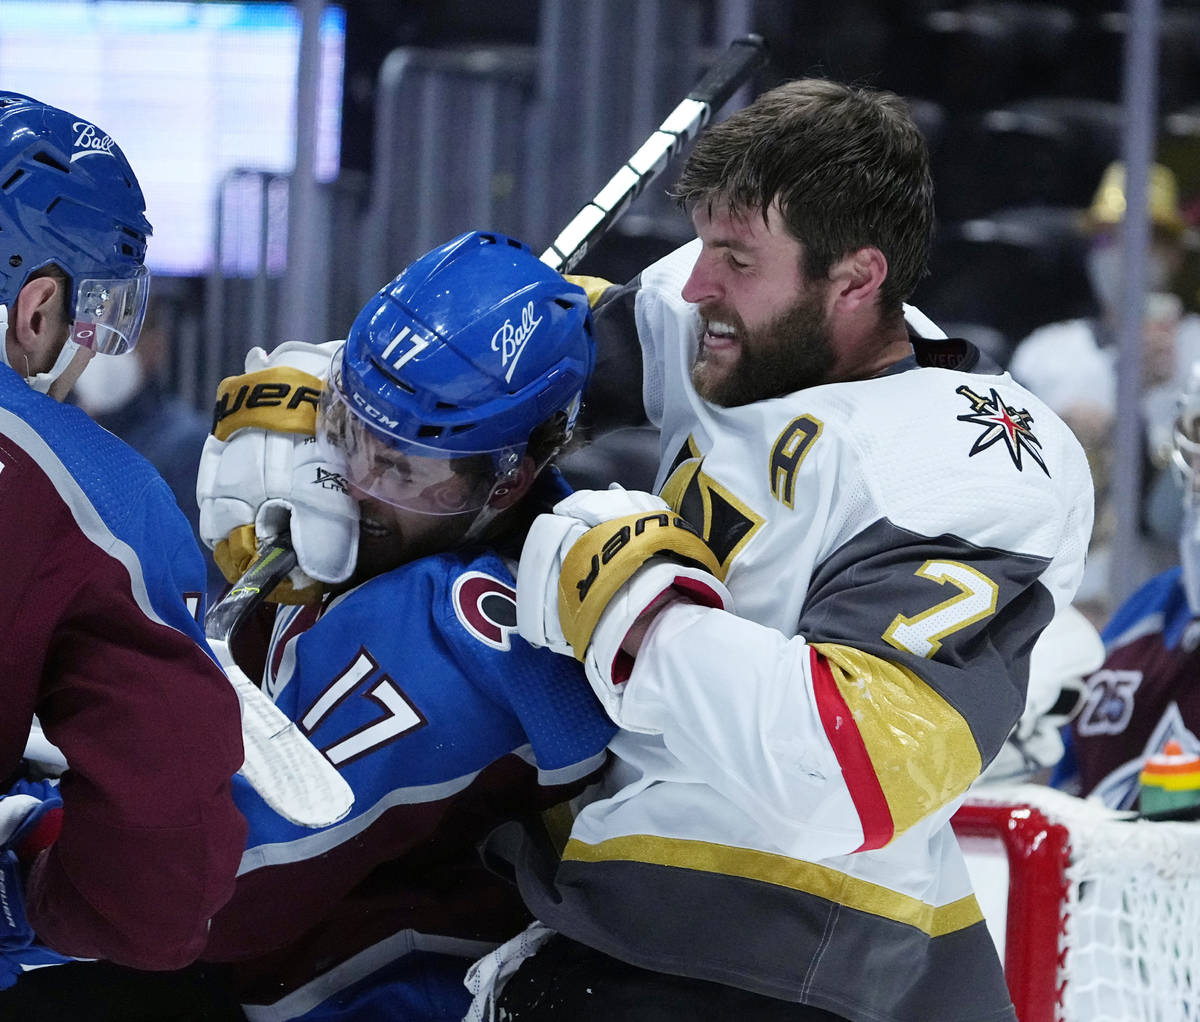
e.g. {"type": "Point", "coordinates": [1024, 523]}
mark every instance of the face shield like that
{"type": "Point", "coordinates": [109, 312]}
{"type": "Point", "coordinates": [400, 471]}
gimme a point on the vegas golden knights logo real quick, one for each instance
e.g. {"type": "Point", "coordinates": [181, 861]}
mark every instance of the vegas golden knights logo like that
{"type": "Point", "coordinates": [1002, 422]}
{"type": "Point", "coordinates": [724, 522]}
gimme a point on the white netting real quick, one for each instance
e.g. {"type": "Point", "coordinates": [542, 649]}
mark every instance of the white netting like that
{"type": "Point", "coordinates": [1129, 944]}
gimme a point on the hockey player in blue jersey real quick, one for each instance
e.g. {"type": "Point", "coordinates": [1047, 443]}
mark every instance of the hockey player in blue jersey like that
{"type": "Point", "coordinates": [130, 855]}
{"type": "Point", "coordinates": [431, 428]}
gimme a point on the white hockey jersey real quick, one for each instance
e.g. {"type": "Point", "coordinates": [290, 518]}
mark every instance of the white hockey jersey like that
{"type": "Point", "coordinates": [893, 546]}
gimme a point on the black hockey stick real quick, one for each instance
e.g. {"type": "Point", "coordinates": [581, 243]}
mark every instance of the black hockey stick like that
{"type": "Point", "coordinates": [743, 57]}
{"type": "Point", "coordinates": [289, 773]}
{"type": "Point", "coordinates": [268, 570]}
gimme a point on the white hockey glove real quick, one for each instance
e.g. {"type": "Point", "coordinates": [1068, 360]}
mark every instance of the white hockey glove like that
{"type": "Point", "coordinates": [590, 570]}
{"type": "Point", "coordinates": [261, 473]}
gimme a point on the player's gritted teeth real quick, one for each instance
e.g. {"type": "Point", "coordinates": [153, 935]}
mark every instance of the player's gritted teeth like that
{"type": "Point", "coordinates": [372, 528]}
{"type": "Point", "coordinates": [720, 342]}
{"type": "Point", "coordinates": [719, 335]}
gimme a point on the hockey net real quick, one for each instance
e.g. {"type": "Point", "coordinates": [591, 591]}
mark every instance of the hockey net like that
{"type": "Point", "coordinates": [1096, 914]}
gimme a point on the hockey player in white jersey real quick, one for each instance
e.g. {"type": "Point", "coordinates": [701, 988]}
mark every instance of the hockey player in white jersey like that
{"type": "Point", "coordinates": [888, 522]}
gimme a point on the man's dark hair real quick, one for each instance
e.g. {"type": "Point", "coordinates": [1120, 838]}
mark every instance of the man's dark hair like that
{"type": "Point", "coordinates": [848, 168]}
{"type": "Point", "coordinates": [549, 439]}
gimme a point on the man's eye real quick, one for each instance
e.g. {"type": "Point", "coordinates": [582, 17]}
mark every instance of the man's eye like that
{"type": "Point", "coordinates": [735, 262]}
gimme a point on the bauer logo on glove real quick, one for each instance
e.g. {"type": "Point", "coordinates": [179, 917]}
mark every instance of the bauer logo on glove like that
{"type": "Point", "coordinates": [590, 571]}
{"type": "Point", "coordinates": [279, 398]}
{"type": "Point", "coordinates": [262, 474]}
{"type": "Point", "coordinates": [605, 557]}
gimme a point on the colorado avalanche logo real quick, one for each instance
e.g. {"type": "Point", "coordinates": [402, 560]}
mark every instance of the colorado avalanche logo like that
{"type": "Point", "coordinates": [1002, 422]}
{"type": "Point", "coordinates": [486, 607]}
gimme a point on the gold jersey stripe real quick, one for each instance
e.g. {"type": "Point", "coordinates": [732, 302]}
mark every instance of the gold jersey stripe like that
{"type": "Point", "coordinates": [922, 749]}
{"type": "Point", "coordinates": [807, 877]}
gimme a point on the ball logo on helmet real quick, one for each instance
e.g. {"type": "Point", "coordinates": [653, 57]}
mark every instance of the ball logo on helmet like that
{"type": "Point", "coordinates": [510, 340]}
{"type": "Point", "coordinates": [90, 141]}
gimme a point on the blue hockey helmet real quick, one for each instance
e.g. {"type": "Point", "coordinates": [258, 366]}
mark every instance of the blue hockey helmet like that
{"type": "Point", "coordinates": [463, 355]}
{"type": "Point", "coordinates": [68, 197]}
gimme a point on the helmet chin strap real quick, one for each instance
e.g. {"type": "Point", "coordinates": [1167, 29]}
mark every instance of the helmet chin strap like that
{"type": "Point", "coordinates": [41, 382]}
{"type": "Point", "coordinates": [490, 512]}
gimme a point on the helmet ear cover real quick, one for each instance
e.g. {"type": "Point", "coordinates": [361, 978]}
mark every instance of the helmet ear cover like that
{"type": "Point", "coordinates": [469, 351]}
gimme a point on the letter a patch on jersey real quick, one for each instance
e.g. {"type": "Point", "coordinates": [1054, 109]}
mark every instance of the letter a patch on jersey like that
{"type": "Point", "coordinates": [1002, 422]}
{"type": "Point", "coordinates": [486, 607]}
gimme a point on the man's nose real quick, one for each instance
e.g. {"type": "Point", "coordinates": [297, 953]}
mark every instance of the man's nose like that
{"type": "Point", "coordinates": [702, 284]}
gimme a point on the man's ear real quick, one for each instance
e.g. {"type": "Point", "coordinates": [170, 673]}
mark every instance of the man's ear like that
{"type": "Point", "coordinates": [857, 278]}
{"type": "Point", "coordinates": [37, 323]}
{"type": "Point", "coordinates": [514, 486]}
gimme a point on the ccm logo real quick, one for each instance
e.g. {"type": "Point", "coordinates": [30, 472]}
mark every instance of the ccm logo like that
{"type": "Point", "coordinates": [622, 538]}
{"type": "Point", "coordinates": [265, 395]}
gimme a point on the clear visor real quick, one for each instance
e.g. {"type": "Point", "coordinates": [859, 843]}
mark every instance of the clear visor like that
{"type": "Point", "coordinates": [402, 472]}
{"type": "Point", "coordinates": [109, 313]}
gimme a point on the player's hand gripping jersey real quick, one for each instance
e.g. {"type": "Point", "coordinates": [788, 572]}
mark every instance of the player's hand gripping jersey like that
{"type": "Point", "coordinates": [445, 722]}
{"type": "Point", "coordinates": [893, 546]}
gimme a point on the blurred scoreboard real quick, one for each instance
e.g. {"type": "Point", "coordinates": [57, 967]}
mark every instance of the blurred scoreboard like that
{"type": "Point", "coordinates": [189, 91]}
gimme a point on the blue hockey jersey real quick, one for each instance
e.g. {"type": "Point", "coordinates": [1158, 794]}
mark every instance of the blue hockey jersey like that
{"type": "Point", "coordinates": [100, 603]}
{"type": "Point", "coordinates": [445, 723]}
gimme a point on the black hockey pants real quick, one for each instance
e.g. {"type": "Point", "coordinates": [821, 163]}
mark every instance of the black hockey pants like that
{"type": "Point", "coordinates": [569, 982]}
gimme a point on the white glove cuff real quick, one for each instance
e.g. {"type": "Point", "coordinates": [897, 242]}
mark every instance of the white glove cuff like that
{"type": "Point", "coordinates": [608, 667]}
{"type": "Point", "coordinates": [595, 507]}
{"type": "Point", "coordinates": [537, 581]}
{"type": "Point", "coordinates": [310, 358]}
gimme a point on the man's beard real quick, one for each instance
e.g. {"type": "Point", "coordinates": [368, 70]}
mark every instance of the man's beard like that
{"type": "Point", "coordinates": [792, 352]}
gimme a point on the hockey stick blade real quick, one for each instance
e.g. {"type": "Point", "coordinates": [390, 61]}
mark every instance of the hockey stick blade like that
{"type": "Point", "coordinates": [290, 774]}
{"type": "Point", "coordinates": [743, 57]}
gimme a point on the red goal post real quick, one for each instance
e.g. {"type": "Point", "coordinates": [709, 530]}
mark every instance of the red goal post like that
{"type": "Point", "coordinates": [1096, 914]}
